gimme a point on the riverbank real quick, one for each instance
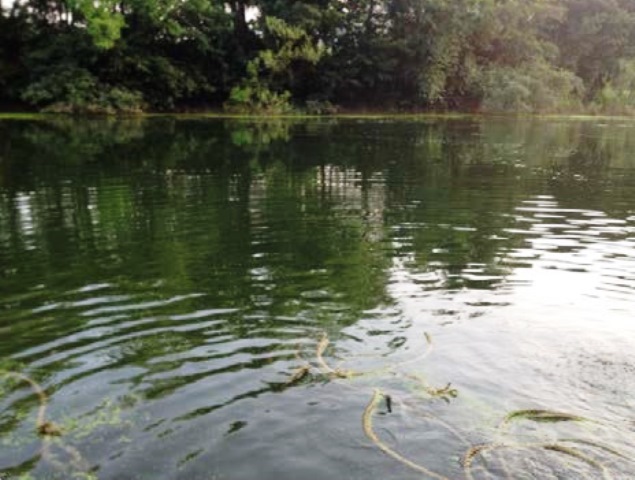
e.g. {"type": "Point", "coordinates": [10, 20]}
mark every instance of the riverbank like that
{"type": "Point", "coordinates": [300, 116]}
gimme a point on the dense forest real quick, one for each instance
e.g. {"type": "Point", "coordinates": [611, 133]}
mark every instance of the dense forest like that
{"type": "Point", "coordinates": [318, 56]}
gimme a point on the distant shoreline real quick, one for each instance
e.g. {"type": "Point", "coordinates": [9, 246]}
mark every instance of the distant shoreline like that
{"type": "Point", "coordinates": [301, 116]}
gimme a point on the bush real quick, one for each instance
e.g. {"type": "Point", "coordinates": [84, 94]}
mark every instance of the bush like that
{"type": "Point", "coordinates": [76, 90]}
{"type": "Point", "coordinates": [320, 107]}
{"type": "Point", "coordinates": [618, 95]}
{"type": "Point", "coordinates": [257, 99]}
{"type": "Point", "coordinates": [264, 89]}
{"type": "Point", "coordinates": [535, 87]}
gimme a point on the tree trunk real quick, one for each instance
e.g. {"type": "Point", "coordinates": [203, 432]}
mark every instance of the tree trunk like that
{"type": "Point", "coordinates": [368, 24]}
{"type": "Point", "coordinates": [241, 30]}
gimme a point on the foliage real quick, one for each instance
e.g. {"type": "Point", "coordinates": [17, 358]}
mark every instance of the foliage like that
{"type": "Point", "coordinates": [268, 55]}
{"type": "Point", "coordinates": [257, 98]}
{"type": "Point", "coordinates": [534, 87]}
{"type": "Point", "coordinates": [617, 96]}
{"type": "Point", "coordinates": [320, 107]}
{"type": "Point", "coordinates": [77, 91]}
{"type": "Point", "coordinates": [103, 22]}
{"type": "Point", "coordinates": [262, 90]}
{"type": "Point", "coordinates": [594, 38]}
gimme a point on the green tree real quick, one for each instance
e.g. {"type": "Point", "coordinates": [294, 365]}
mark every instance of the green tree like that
{"type": "Point", "coordinates": [272, 71]}
{"type": "Point", "coordinates": [594, 36]}
{"type": "Point", "coordinates": [266, 55]}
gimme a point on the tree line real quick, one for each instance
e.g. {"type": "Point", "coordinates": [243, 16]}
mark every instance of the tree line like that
{"type": "Point", "coordinates": [318, 56]}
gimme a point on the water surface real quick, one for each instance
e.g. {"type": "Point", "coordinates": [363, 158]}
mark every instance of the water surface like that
{"type": "Point", "coordinates": [163, 280]}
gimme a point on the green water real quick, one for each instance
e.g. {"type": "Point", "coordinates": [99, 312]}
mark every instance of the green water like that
{"type": "Point", "coordinates": [163, 279]}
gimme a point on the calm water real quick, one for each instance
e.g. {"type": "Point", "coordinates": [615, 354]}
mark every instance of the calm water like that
{"type": "Point", "coordinates": [169, 283]}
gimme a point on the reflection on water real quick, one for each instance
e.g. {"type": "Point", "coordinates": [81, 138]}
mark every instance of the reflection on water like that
{"type": "Point", "coordinates": [168, 284]}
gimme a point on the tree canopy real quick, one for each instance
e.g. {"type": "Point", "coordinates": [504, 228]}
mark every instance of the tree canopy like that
{"type": "Point", "coordinates": [318, 55]}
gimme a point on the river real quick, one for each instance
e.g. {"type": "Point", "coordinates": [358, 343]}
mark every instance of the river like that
{"type": "Point", "coordinates": [196, 298]}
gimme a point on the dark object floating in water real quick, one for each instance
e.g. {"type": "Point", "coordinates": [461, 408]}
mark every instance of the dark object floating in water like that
{"type": "Point", "coordinates": [388, 403]}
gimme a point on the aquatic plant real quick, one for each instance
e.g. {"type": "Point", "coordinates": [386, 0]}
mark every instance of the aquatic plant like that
{"type": "Point", "coordinates": [367, 424]}
{"type": "Point", "coordinates": [49, 431]}
{"type": "Point", "coordinates": [540, 416]}
{"type": "Point", "coordinates": [562, 447]}
{"type": "Point", "coordinates": [473, 452]}
{"type": "Point", "coordinates": [54, 450]}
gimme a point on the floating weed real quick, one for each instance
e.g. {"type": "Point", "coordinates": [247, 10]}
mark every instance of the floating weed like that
{"type": "Point", "coordinates": [298, 375]}
{"type": "Point", "coordinates": [50, 429]}
{"type": "Point", "coordinates": [445, 393]}
{"type": "Point", "coordinates": [323, 343]}
{"type": "Point", "coordinates": [106, 414]}
{"type": "Point", "coordinates": [319, 353]}
{"type": "Point", "coordinates": [561, 451]}
{"type": "Point", "coordinates": [545, 416]}
{"type": "Point", "coordinates": [599, 446]}
{"type": "Point", "coordinates": [236, 426]}
{"type": "Point", "coordinates": [49, 432]}
{"type": "Point", "coordinates": [326, 368]}
{"type": "Point", "coordinates": [189, 457]}
{"type": "Point", "coordinates": [479, 450]}
{"type": "Point", "coordinates": [419, 358]}
{"type": "Point", "coordinates": [574, 453]}
{"type": "Point", "coordinates": [54, 450]}
{"type": "Point", "coordinates": [16, 378]}
{"type": "Point", "coordinates": [367, 424]}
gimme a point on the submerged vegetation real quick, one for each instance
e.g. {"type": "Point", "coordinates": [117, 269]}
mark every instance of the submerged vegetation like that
{"type": "Point", "coordinates": [64, 458]}
{"type": "Point", "coordinates": [318, 56]}
{"type": "Point", "coordinates": [56, 450]}
{"type": "Point", "coordinates": [597, 457]}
